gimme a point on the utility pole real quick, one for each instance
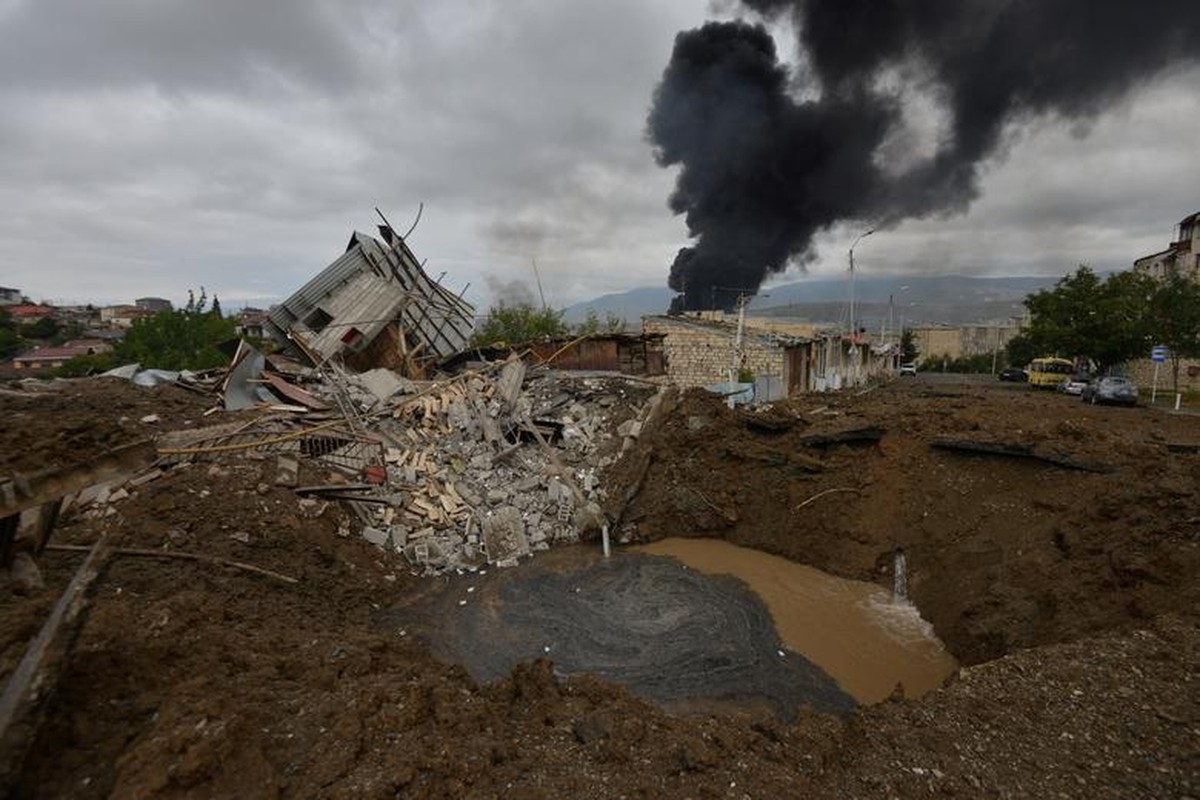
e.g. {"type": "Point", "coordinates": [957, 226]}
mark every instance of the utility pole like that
{"type": "Point", "coordinates": [854, 360]}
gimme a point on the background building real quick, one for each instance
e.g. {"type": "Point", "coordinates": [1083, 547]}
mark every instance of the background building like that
{"type": "Point", "coordinates": [1181, 258]}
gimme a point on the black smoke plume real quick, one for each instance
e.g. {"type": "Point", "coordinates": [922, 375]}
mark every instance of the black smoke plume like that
{"type": "Point", "coordinates": [769, 159]}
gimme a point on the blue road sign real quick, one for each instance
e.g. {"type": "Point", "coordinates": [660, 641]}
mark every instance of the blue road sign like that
{"type": "Point", "coordinates": [1159, 354]}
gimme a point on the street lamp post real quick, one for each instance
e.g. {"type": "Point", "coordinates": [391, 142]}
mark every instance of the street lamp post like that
{"type": "Point", "coordinates": [861, 236]}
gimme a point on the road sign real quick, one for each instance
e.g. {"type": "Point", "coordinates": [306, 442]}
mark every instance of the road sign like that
{"type": "Point", "coordinates": [1159, 354]}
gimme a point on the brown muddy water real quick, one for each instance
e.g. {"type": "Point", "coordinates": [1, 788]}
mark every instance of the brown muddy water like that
{"type": "Point", "coordinates": [690, 624]}
{"type": "Point", "coordinates": [850, 629]}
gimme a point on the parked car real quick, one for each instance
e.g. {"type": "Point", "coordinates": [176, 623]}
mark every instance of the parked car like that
{"type": "Point", "coordinates": [908, 369]}
{"type": "Point", "coordinates": [1075, 384]}
{"type": "Point", "coordinates": [1113, 389]}
{"type": "Point", "coordinates": [1014, 374]}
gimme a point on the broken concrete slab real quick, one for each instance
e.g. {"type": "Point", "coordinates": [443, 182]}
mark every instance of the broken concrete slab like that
{"type": "Point", "coordinates": [377, 536]}
{"type": "Point", "coordinates": [287, 470]}
{"type": "Point", "coordinates": [508, 385]}
{"type": "Point", "coordinates": [383, 384]}
{"type": "Point", "coordinates": [504, 535]}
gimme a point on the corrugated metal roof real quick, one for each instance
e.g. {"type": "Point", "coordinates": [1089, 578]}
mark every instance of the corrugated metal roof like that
{"type": "Point", "coordinates": [368, 286]}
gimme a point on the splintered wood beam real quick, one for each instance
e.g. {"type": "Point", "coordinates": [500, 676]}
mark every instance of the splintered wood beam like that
{"type": "Point", "coordinates": [35, 674]}
{"type": "Point", "coordinates": [20, 492]}
{"type": "Point", "coordinates": [175, 554]}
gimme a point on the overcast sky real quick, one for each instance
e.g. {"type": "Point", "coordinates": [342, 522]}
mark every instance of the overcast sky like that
{"type": "Point", "coordinates": [149, 146]}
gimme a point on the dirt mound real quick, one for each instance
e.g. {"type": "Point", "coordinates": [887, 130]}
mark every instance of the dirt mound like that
{"type": "Point", "coordinates": [1003, 553]}
{"type": "Point", "coordinates": [194, 680]}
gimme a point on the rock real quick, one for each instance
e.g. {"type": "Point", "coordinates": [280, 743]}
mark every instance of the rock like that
{"type": "Point", "coordinates": [376, 536]}
{"type": "Point", "coordinates": [240, 536]}
{"type": "Point", "coordinates": [25, 575]}
{"type": "Point", "coordinates": [469, 496]}
{"type": "Point", "coordinates": [496, 496]}
{"type": "Point", "coordinates": [588, 518]}
{"type": "Point", "coordinates": [527, 484]}
{"type": "Point", "coordinates": [593, 727]}
{"type": "Point", "coordinates": [504, 535]}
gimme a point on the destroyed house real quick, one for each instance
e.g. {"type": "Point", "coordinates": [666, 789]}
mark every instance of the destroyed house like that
{"type": "Point", "coordinates": [607, 352]}
{"type": "Point", "coordinates": [373, 307]}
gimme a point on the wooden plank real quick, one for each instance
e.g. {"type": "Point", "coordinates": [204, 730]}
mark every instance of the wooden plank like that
{"type": "Point", "coordinates": [33, 678]}
{"type": "Point", "coordinates": [36, 489]}
{"type": "Point", "coordinates": [295, 393]}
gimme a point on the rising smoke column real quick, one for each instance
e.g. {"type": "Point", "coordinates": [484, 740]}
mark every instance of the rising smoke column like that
{"type": "Point", "coordinates": [763, 171]}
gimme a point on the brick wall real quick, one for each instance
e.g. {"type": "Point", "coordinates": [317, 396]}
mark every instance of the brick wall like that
{"type": "Point", "coordinates": [702, 355]}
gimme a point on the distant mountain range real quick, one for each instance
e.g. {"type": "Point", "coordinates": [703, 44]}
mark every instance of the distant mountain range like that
{"type": "Point", "coordinates": [917, 300]}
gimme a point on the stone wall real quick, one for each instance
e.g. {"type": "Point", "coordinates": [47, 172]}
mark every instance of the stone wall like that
{"type": "Point", "coordinates": [1141, 372]}
{"type": "Point", "coordinates": [700, 354]}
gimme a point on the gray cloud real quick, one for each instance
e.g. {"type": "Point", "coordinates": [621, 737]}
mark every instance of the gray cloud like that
{"type": "Point", "coordinates": [151, 147]}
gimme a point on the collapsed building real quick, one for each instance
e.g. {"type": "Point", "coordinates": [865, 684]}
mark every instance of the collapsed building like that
{"type": "Point", "coordinates": [373, 307]}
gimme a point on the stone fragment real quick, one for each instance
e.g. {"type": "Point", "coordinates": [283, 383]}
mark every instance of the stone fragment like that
{"type": "Point", "coordinates": [504, 535]}
{"type": "Point", "coordinates": [376, 536]}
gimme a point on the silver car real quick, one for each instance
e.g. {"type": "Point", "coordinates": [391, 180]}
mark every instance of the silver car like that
{"type": "Point", "coordinates": [1115, 390]}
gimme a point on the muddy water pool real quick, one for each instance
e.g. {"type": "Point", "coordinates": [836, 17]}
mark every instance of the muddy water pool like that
{"type": "Point", "coordinates": [852, 630]}
{"type": "Point", "coordinates": [689, 624]}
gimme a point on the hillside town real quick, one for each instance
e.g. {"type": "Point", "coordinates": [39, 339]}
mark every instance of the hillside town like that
{"type": "Point", "coordinates": [699, 348]}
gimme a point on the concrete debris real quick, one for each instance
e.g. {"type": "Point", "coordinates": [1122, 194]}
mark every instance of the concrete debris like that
{"type": "Point", "coordinates": [287, 470]}
{"type": "Point", "coordinates": [484, 467]}
{"type": "Point", "coordinates": [384, 384]}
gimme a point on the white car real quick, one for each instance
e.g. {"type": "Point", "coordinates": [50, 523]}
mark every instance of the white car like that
{"type": "Point", "coordinates": [1074, 385]}
{"type": "Point", "coordinates": [908, 369]}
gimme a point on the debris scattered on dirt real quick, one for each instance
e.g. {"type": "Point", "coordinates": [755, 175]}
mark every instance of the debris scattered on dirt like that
{"type": "Point", "coordinates": [1070, 596]}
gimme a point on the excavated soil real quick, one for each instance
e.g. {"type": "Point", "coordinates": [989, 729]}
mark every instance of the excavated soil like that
{"type": "Point", "coordinates": [1071, 597]}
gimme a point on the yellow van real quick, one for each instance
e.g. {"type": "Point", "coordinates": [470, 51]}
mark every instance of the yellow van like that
{"type": "Point", "coordinates": [1048, 373]}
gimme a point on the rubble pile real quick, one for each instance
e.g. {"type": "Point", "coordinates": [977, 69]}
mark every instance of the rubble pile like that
{"type": "Point", "coordinates": [481, 468]}
{"type": "Point", "coordinates": [489, 470]}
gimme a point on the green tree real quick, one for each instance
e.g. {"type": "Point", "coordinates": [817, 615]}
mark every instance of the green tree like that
{"type": "Point", "coordinates": [592, 324]}
{"type": "Point", "coordinates": [518, 323]}
{"type": "Point", "coordinates": [1020, 350]}
{"type": "Point", "coordinates": [80, 366]}
{"type": "Point", "coordinates": [10, 340]}
{"type": "Point", "coordinates": [908, 346]}
{"type": "Point", "coordinates": [1105, 321]}
{"type": "Point", "coordinates": [44, 328]}
{"type": "Point", "coordinates": [186, 338]}
{"type": "Point", "coordinates": [1175, 311]}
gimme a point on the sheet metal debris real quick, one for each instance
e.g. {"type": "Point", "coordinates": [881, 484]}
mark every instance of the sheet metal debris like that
{"type": "Point", "coordinates": [373, 307]}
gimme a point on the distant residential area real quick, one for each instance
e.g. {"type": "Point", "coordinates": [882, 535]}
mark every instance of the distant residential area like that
{"type": "Point", "coordinates": [790, 346]}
